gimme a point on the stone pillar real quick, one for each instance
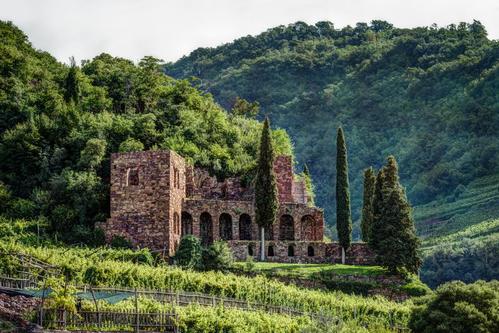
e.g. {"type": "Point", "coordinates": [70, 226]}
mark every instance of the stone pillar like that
{"type": "Point", "coordinates": [216, 225]}
{"type": "Point", "coordinates": [235, 227]}
{"type": "Point", "coordinates": [195, 225]}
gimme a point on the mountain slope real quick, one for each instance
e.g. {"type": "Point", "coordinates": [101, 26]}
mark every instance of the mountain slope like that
{"type": "Point", "coordinates": [427, 95]}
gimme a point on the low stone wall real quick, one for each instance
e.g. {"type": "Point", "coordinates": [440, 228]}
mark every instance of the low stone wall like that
{"type": "Point", "coordinates": [303, 252]}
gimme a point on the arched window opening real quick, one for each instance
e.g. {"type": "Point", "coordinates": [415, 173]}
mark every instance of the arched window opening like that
{"type": "Point", "coordinates": [132, 177]}
{"type": "Point", "coordinates": [250, 250]}
{"type": "Point", "coordinates": [244, 227]}
{"type": "Point", "coordinates": [270, 251]}
{"type": "Point", "coordinates": [186, 223]}
{"type": "Point", "coordinates": [225, 226]}
{"type": "Point", "coordinates": [291, 251]}
{"type": "Point", "coordinates": [310, 251]}
{"type": "Point", "coordinates": [206, 229]}
{"type": "Point", "coordinates": [309, 228]}
{"type": "Point", "coordinates": [286, 228]}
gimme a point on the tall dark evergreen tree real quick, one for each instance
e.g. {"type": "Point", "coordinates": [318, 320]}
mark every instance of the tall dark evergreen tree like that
{"type": "Point", "coordinates": [377, 210]}
{"type": "Point", "coordinates": [71, 83]}
{"type": "Point", "coordinates": [266, 202]}
{"type": "Point", "coordinates": [396, 241]}
{"type": "Point", "coordinates": [367, 207]}
{"type": "Point", "coordinates": [343, 210]}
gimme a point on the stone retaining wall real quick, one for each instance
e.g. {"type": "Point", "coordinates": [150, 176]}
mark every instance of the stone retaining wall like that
{"type": "Point", "coordinates": [303, 252]}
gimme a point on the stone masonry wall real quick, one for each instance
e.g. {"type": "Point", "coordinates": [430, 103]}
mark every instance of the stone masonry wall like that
{"type": "Point", "coordinates": [307, 222]}
{"type": "Point", "coordinates": [357, 254]}
{"type": "Point", "coordinates": [141, 198]}
{"type": "Point", "coordinates": [283, 168]}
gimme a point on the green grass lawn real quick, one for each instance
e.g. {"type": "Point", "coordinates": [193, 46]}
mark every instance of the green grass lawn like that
{"type": "Point", "coordinates": [312, 270]}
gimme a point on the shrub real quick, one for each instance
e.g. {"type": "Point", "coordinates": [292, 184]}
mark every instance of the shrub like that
{"type": "Point", "coordinates": [217, 257]}
{"type": "Point", "coordinates": [414, 287]}
{"type": "Point", "coordinates": [121, 242]}
{"type": "Point", "coordinates": [458, 308]}
{"type": "Point", "coordinates": [249, 265]}
{"type": "Point", "coordinates": [189, 252]}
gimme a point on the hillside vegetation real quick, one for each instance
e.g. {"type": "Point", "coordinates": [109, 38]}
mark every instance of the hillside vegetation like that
{"type": "Point", "coordinates": [466, 255]}
{"type": "Point", "coordinates": [426, 95]}
{"type": "Point", "coordinates": [59, 124]}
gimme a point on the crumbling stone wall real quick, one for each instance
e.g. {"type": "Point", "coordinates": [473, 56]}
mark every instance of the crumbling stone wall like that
{"type": "Point", "coordinates": [156, 199]}
{"type": "Point", "coordinates": [200, 185]}
{"type": "Point", "coordinates": [283, 169]}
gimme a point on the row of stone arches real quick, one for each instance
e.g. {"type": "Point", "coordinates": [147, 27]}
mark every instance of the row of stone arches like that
{"type": "Point", "coordinates": [309, 227]}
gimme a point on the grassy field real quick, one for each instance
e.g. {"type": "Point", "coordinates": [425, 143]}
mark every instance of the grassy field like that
{"type": "Point", "coordinates": [312, 270]}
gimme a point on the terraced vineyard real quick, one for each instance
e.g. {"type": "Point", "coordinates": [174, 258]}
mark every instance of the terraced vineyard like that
{"type": "Point", "coordinates": [477, 202]}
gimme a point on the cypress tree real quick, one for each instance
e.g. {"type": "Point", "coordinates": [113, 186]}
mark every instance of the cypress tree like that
{"type": "Point", "coordinates": [266, 202]}
{"type": "Point", "coordinates": [396, 243]}
{"type": "Point", "coordinates": [343, 211]}
{"type": "Point", "coordinates": [377, 210]}
{"type": "Point", "coordinates": [71, 83]}
{"type": "Point", "coordinates": [367, 207]}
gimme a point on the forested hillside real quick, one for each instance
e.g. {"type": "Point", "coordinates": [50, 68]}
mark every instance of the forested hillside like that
{"type": "Point", "coordinates": [59, 124]}
{"type": "Point", "coordinates": [429, 96]}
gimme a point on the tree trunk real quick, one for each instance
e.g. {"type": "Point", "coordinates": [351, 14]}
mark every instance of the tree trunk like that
{"type": "Point", "coordinates": [262, 243]}
{"type": "Point", "coordinates": [343, 255]}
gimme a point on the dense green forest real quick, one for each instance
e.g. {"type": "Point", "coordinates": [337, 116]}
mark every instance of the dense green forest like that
{"type": "Point", "coordinates": [427, 95]}
{"type": "Point", "coordinates": [59, 124]}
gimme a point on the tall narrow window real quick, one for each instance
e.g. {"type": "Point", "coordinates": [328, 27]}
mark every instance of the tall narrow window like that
{"type": "Point", "coordinates": [132, 177]}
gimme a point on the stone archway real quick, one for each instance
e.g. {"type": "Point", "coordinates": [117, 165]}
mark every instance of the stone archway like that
{"type": "Point", "coordinates": [286, 228]}
{"type": "Point", "coordinates": [225, 226]}
{"type": "Point", "coordinates": [206, 229]}
{"type": "Point", "coordinates": [244, 227]}
{"type": "Point", "coordinates": [309, 228]}
{"type": "Point", "coordinates": [186, 224]}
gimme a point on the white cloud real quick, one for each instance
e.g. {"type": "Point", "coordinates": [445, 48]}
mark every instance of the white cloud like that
{"type": "Point", "coordinates": [169, 29]}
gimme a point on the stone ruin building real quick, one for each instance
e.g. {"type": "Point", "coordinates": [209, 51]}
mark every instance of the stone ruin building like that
{"type": "Point", "coordinates": [157, 198]}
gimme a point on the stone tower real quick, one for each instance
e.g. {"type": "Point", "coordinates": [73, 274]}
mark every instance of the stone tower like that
{"type": "Point", "coordinates": [147, 191]}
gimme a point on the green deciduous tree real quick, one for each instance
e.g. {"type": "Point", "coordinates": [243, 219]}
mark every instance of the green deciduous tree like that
{"type": "Point", "coordinates": [131, 144]}
{"type": "Point", "coordinates": [244, 108]}
{"type": "Point", "coordinates": [458, 308]}
{"type": "Point", "coordinates": [343, 210]}
{"type": "Point", "coordinates": [367, 207]}
{"type": "Point", "coordinates": [266, 202]}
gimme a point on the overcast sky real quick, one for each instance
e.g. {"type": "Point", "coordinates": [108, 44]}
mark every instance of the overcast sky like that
{"type": "Point", "coordinates": [169, 29]}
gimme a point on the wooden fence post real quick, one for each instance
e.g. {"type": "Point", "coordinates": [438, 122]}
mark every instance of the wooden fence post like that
{"type": "Point", "coordinates": [136, 312]}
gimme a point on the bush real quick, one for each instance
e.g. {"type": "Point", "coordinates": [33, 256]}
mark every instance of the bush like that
{"type": "Point", "coordinates": [458, 308]}
{"type": "Point", "coordinates": [120, 242]}
{"type": "Point", "coordinates": [414, 287]}
{"type": "Point", "coordinates": [189, 252]}
{"type": "Point", "coordinates": [217, 257]}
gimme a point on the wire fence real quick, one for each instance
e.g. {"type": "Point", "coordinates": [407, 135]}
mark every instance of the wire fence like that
{"type": "Point", "coordinates": [124, 320]}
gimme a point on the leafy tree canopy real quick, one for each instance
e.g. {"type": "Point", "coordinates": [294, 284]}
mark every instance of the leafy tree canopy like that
{"type": "Point", "coordinates": [59, 124]}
